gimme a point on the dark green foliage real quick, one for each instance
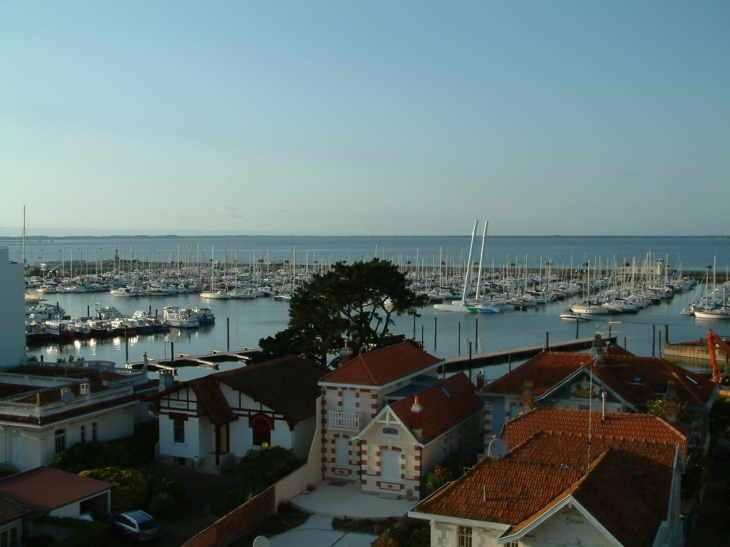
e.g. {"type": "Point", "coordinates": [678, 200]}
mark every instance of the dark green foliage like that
{"type": "Point", "coordinates": [129, 451]}
{"type": "Point", "coordinates": [6, 471]}
{"type": "Point", "coordinates": [131, 487]}
{"type": "Point", "coordinates": [348, 302]}
{"type": "Point", "coordinates": [91, 455]}
{"type": "Point", "coordinates": [450, 468]}
{"type": "Point", "coordinates": [694, 476]}
{"type": "Point", "coordinates": [257, 470]}
{"type": "Point", "coordinates": [170, 486]}
{"type": "Point", "coordinates": [407, 532]}
{"type": "Point", "coordinates": [163, 505]}
{"type": "Point", "coordinates": [88, 534]}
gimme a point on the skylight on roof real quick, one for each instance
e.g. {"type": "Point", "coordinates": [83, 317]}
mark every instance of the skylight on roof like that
{"type": "Point", "coordinates": [446, 392]}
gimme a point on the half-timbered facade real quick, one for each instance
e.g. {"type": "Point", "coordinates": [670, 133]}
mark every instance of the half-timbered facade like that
{"type": "Point", "coordinates": [228, 413]}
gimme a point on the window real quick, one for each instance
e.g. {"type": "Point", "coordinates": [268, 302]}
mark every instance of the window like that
{"type": "Point", "coordinates": [513, 544]}
{"type": "Point", "coordinates": [83, 434]}
{"type": "Point", "coordinates": [93, 432]}
{"type": "Point", "coordinates": [390, 431]}
{"type": "Point", "coordinates": [9, 538]}
{"type": "Point", "coordinates": [464, 536]}
{"type": "Point", "coordinates": [60, 440]}
{"type": "Point", "coordinates": [178, 430]}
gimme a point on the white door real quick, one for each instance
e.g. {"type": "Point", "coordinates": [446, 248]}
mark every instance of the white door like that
{"type": "Point", "coordinates": [390, 465]}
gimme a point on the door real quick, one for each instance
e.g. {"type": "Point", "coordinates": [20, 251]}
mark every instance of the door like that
{"type": "Point", "coordinates": [390, 465]}
{"type": "Point", "coordinates": [342, 451]}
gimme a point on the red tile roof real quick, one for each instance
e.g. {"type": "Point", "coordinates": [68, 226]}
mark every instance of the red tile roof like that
{"type": "Point", "coordinates": [642, 427]}
{"type": "Point", "coordinates": [11, 510]}
{"type": "Point", "coordinates": [45, 489]}
{"type": "Point", "coordinates": [546, 369]}
{"type": "Point", "coordinates": [383, 366]}
{"type": "Point", "coordinates": [628, 488]}
{"type": "Point", "coordinates": [211, 401]}
{"type": "Point", "coordinates": [617, 370]}
{"type": "Point", "coordinates": [444, 405]}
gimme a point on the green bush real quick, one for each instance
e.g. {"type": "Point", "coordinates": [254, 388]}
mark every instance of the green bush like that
{"type": "Point", "coordinates": [170, 486]}
{"type": "Point", "coordinates": [130, 486]}
{"type": "Point", "coordinates": [163, 505]}
{"type": "Point", "coordinates": [257, 470]}
{"type": "Point", "coordinates": [129, 451]}
{"type": "Point", "coordinates": [450, 468]}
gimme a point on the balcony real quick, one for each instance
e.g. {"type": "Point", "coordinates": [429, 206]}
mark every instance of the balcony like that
{"type": "Point", "coordinates": [345, 420]}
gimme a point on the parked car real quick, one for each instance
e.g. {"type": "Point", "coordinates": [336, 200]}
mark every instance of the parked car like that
{"type": "Point", "coordinates": [135, 526]}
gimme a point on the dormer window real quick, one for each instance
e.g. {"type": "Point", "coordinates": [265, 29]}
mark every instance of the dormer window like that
{"type": "Point", "coordinates": [638, 380]}
{"type": "Point", "coordinates": [660, 388]}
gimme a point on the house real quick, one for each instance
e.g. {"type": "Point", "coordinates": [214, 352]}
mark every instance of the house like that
{"type": "Point", "coordinates": [54, 493]}
{"type": "Point", "coordinates": [375, 431]}
{"type": "Point", "coordinates": [11, 521]}
{"type": "Point", "coordinates": [610, 378]}
{"type": "Point", "coordinates": [223, 415]}
{"type": "Point", "coordinates": [569, 477]}
{"type": "Point", "coordinates": [12, 318]}
{"type": "Point", "coordinates": [46, 408]}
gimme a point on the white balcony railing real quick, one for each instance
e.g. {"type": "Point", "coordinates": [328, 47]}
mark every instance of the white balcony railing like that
{"type": "Point", "coordinates": [345, 420]}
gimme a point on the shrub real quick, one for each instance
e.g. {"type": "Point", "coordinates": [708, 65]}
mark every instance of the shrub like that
{"type": "Point", "coordinates": [131, 487]}
{"type": "Point", "coordinates": [169, 486]}
{"type": "Point", "coordinates": [163, 505]}
{"type": "Point", "coordinates": [91, 455]}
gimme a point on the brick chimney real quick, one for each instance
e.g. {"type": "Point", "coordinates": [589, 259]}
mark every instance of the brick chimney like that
{"type": "Point", "coordinates": [528, 395]}
{"type": "Point", "coordinates": [345, 354]}
{"type": "Point", "coordinates": [670, 402]}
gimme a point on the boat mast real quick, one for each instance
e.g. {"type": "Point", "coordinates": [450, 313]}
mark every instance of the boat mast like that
{"type": "Point", "coordinates": [468, 264]}
{"type": "Point", "coordinates": [481, 258]}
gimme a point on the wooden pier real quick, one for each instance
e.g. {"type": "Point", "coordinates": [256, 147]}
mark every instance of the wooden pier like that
{"type": "Point", "coordinates": [500, 357]}
{"type": "Point", "coordinates": [211, 360]}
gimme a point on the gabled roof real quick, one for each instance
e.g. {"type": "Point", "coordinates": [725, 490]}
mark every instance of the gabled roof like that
{"type": "Point", "coordinates": [627, 490]}
{"type": "Point", "coordinates": [618, 370]}
{"type": "Point", "coordinates": [383, 366]}
{"type": "Point", "coordinates": [45, 489]}
{"type": "Point", "coordinates": [444, 406]}
{"type": "Point", "coordinates": [621, 372]}
{"type": "Point", "coordinates": [609, 495]}
{"type": "Point", "coordinates": [545, 369]}
{"type": "Point", "coordinates": [287, 385]}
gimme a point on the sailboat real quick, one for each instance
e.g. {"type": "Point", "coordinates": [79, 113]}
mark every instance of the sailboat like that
{"type": "Point", "coordinates": [461, 306]}
{"type": "Point", "coordinates": [213, 293]}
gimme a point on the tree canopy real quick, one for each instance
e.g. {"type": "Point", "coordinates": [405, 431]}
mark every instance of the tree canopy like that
{"type": "Point", "coordinates": [355, 301]}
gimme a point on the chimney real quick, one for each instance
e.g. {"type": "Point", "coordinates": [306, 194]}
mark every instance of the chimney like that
{"type": "Point", "coordinates": [166, 380]}
{"type": "Point", "coordinates": [416, 418]}
{"type": "Point", "coordinates": [345, 354]}
{"type": "Point", "coordinates": [598, 345]}
{"type": "Point", "coordinates": [480, 379]}
{"type": "Point", "coordinates": [85, 388]}
{"type": "Point", "coordinates": [528, 395]}
{"type": "Point", "coordinates": [670, 402]}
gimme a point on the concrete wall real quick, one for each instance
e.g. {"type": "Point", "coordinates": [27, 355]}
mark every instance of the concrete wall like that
{"type": "Point", "coordinates": [12, 318]}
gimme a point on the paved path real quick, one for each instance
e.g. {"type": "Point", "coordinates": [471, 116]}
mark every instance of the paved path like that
{"type": "Point", "coordinates": [317, 531]}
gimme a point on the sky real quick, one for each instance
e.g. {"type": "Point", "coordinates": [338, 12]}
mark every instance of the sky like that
{"type": "Point", "coordinates": [372, 117]}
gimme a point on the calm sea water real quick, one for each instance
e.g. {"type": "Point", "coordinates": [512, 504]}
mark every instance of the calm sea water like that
{"type": "Point", "coordinates": [244, 322]}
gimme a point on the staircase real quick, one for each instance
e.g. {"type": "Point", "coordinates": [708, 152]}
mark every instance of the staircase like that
{"type": "Point", "coordinates": [207, 465]}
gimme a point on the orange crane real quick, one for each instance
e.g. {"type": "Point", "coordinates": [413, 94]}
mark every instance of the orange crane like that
{"type": "Point", "coordinates": [712, 341]}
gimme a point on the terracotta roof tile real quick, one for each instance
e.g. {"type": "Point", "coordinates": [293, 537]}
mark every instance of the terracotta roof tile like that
{"type": "Point", "coordinates": [45, 489]}
{"type": "Point", "coordinates": [211, 401]}
{"type": "Point", "coordinates": [444, 405]}
{"type": "Point", "coordinates": [11, 510]}
{"type": "Point", "coordinates": [382, 366]}
{"type": "Point", "coordinates": [545, 369]}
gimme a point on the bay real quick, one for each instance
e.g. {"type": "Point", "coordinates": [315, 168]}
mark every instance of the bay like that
{"type": "Point", "coordinates": [244, 322]}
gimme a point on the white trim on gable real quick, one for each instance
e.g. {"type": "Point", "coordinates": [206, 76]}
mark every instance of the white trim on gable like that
{"type": "Point", "coordinates": [570, 502]}
{"type": "Point", "coordinates": [596, 381]}
{"type": "Point", "coordinates": [460, 521]}
{"type": "Point", "coordinates": [387, 418]}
